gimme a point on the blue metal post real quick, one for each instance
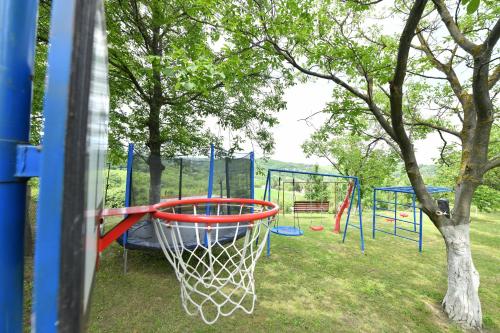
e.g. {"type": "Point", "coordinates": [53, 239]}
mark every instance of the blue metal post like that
{"type": "Point", "coordinates": [211, 174]}
{"type": "Point", "coordinates": [395, 213]}
{"type": "Point", "coordinates": [420, 233]}
{"type": "Point", "coordinates": [128, 185]}
{"type": "Point", "coordinates": [17, 48]}
{"type": "Point", "coordinates": [268, 191]}
{"type": "Point", "coordinates": [360, 213]}
{"type": "Point", "coordinates": [374, 225]}
{"type": "Point", "coordinates": [414, 213]}
{"type": "Point", "coordinates": [264, 198]}
{"type": "Point", "coordinates": [210, 185]}
{"type": "Point", "coordinates": [349, 209]}
{"type": "Point", "coordinates": [252, 175]}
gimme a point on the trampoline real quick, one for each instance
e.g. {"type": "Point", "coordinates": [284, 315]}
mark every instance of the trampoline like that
{"type": "Point", "coordinates": [185, 177]}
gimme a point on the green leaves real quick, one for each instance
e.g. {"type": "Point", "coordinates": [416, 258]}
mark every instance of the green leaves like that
{"type": "Point", "coordinates": [173, 67]}
{"type": "Point", "coordinates": [472, 5]}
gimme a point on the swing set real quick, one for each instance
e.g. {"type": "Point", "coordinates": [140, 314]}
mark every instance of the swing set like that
{"type": "Point", "coordinates": [312, 198]}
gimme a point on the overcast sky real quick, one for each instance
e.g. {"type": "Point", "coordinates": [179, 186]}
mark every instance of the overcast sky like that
{"type": "Point", "coordinates": [306, 98]}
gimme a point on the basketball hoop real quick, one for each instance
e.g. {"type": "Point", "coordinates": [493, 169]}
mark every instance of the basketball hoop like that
{"type": "Point", "coordinates": [216, 269]}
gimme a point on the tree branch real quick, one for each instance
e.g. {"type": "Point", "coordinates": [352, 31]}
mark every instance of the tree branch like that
{"type": "Point", "coordinates": [436, 127]}
{"type": "Point", "coordinates": [119, 65]}
{"type": "Point", "coordinates": [492, 38]}
{"type": "Point", "coordinates": [494, 77]}
{"type": "Point", "coordinates": [390, 143]}
{"type": "Point", "coordinates": [454, 30]}
{"type": "Point", "coordinates": [427, 76]}
{"type": "Point", "coordinates": [447, 70]}
{"type": "Point", "coordinates": [291, 60]}
{"type": "Point", "coordinates": [492, 163]}
{"type": "Point", "coordinates": [441, 154]}
{"type": "Point", "coordinates": [373, 107]}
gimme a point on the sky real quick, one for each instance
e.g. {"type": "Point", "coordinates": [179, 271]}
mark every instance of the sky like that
{"type": "Point", "coordinates": [305, 99]}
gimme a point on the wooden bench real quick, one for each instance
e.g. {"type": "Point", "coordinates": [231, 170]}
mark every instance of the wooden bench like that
{"type": "Point", "coordinates": [311, 206]}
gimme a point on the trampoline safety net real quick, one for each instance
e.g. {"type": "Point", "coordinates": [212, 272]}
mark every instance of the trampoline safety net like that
{"type": "Point", "coordinates": [181, 178]}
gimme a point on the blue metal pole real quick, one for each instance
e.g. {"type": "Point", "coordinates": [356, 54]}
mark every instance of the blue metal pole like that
{"type": "Point", "coordinates": [395, 213]}
{"type": "Point", "coordinates": [360, 212]}
{"type": "Point", "coordinates": [414, 214]}
{"type": "Point", "coordinates": [268, 190]}
{"type": "Point", "coordinates": [374, 212]}
{"type": "Point", "coordinates": [264, 198]}
{"type": "Point", "coordinates": [17, 49]}
{"type": "Point", "coordinates": [210, 185]}
{"type": "Point", "coordinates": [211, 174]}
{"type": "Point", "coordinates": [252, 175]}
{"type": "Point", "coordinates": [420, 233]}
{"type": "Point", "coordinates": [128, 184]}
{"type": "Point", "coordinates": [349, 210]}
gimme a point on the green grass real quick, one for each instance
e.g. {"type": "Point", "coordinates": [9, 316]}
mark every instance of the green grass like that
{"type": "Point", "coordinates": [312, 283]}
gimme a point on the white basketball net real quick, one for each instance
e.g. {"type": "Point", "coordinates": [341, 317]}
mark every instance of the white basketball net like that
{"type": "Point", "coordinates": [215, 263]}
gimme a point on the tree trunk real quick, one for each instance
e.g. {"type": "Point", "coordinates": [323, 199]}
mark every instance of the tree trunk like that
{"type": "Point", "coordinates": [155, 171]}
{"type": "Point", "coordinates": [154, 144]}
{"type": "Point", "coordinates": [461, 302]}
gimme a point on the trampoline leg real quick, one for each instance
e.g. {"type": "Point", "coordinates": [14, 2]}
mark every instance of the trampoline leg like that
{"type": "Point", "coordinates": [125, 259]}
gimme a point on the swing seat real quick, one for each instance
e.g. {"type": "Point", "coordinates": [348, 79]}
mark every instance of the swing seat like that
{"type": "Point", "coordinates": [403, 214]}
{"type": "Point", "coordinates": [316, 228]}
{"type": "Point", "coordinates": [286, 230]}
{"type": "Point", "coordinates": [389, 220]}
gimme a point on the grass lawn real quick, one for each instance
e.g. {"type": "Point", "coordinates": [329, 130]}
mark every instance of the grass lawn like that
{"type": "Point", "coordinates": [312, 283]}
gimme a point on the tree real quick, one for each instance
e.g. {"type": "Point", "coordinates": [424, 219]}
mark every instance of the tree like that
{"type": "Point", "coordinates": [315, 188]}
{"type": "Point", "coordinates": [353, 155]}
{"type": "Point", "coordinates": [170, 73]}
{"type": "Point", "coordinates": [411, 83]}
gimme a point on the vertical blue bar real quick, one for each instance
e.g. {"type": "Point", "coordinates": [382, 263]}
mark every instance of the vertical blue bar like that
{"type": "Point", "coordinates": [360, 212]}
{"type": "Point", "coordinates": [420, 233]}
{"type": "Point", "coordinates": [349, 210]}
{"type": "Point", "coordinates": [395, 213]}
{"type": "Point", "coordinates": [374, 225]}
{"type": "Point", "coordinates": [414, 214]}
{"type": "Point", "coordinates": [17, 48]}
{"type": "Point", "coordinates": [252, 175]}
{"type": "Point", "coordinates": [128, 184]}
{"type": "Point", "coordinates": [264, 198]}
{"type": "Point", "coordinates": [47, 264]}
{"type": "Point", "coordinates": [211, 174]}
{"type": "Point", "coordinates": [210, 185]}
{"type": "Point", "coordinates": [268, 191]}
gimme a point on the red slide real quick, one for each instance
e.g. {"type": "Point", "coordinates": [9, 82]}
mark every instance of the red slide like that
{"type": "Point", "coordinates": [342, 207]}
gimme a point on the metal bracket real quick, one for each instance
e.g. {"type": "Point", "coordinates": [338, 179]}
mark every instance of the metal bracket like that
{"type": "Point", "coordinates": [28, 161]}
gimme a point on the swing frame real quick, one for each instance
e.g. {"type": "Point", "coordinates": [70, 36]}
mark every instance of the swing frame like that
{"type": "Point", "coordinates": [355, 192]}
{"type": "Point", "coordinates": [319, 210]}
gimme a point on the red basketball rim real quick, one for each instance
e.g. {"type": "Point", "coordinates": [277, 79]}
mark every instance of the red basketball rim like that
{"type": "Point", "coordinates": [211, 219]}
